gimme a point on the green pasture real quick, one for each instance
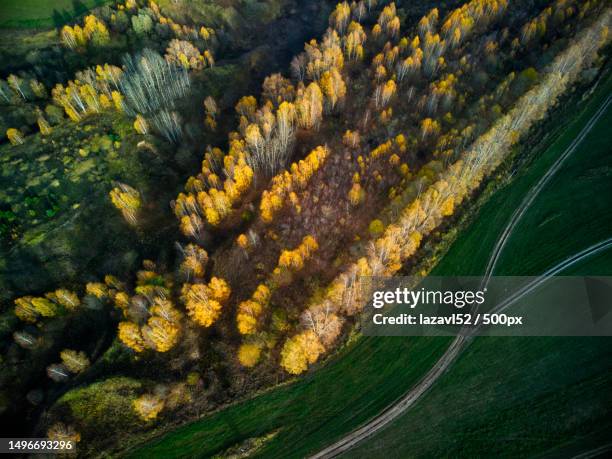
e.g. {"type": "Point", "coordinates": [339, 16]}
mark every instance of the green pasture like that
{"type": "Point", "coordinates": [43, 13]}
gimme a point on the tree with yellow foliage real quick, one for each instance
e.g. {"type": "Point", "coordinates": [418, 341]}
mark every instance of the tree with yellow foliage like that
{"type": "Point", "coordinates": [356, 195]}
{"type": "Point", "coordinates": [97, 289]}
{"type": "Point", "coordinates": [324, 321]}
{"type": "Point", "coordinates": [186, 55]}
{"type": "Point", "coordinates": [66, 298]}
{"type": "Point", "coordinates": [192, 224]}
{"type": "Point", "coordinates": [340, 17]}
{"type": "Point", "coordinates": [249, 354]}
{"type": "Point", "coordinates": [214, 204]}
{"type": "Point", "coordinates": [69, 37]}
{"type": "Point", "coordinates": [45, 307]}
{"type": "Point", "coordinates": [194, 261]}
{"type": "Point", "coordinates": [278, 89]}
{"type": "Point", "coordinates": [353, 41]}
{"type": "Point", "coordinates": [148, 406]}
{"type": "Point", "coordinates": [410, 65]}
{"type": "Point", "coordinates": [74, 361]}
{"type": "Point", "coordinates": [294, 259]}
{"type": "Point", "coordinates": [25, 310]}
{"type": "Point", "coordinates": [300, 351]}
{"type": "Point", "coordinates": [117, 99]}
{"type": "Point", "coordinates": [140, 125]}
{"type": "Point", "coordinates": [129, 334]}
{"type": "Point", "coordinates": [250, 311]}
{"type": "Point", "coordinates": [261, 294]}
{"type": "Point", "coordinates": [162, 334]}
{"type": "Point", "coordinates": [429, 127]}
{"type": "Point", "coordinates": [386, 16]}
{"type": "Point", "coordinates": [205, 302]}
{"type": "Point", "coordinates": [309, 106]}
{"type": "Point", "coordinates": [94, 30]}
{"type": "Point", "coordinates": [92, 91]}
{"type": "Point", "coordinates": [393, 27]}
{"type": "Point", "coordinates": [151, 302]}
{"type": "Point", "coordinates": [333, 87]}
{"type": "Point", "coordinates": [127, 200]}
{"type": "Point", "coordinates": [248, 314]}
{"type": "Point", "coordinates": [15, 136]}
{"type": "Point", "coordinates": [246, 106]}
{"type": "Point", "coordinates": [43, 125]}
{"type": "Point", "coordinates": [122, 301]}
{"type": "Point", "coordinates": [206, 33]}
{"type": "Point", "coordinates": [254, 139]}
{"type": "Point", "coordinates": [62, 432]}
{"type": "Point", "coordinates": [273, 200]}
{"type": "Point", "coordinates": [383, 93]}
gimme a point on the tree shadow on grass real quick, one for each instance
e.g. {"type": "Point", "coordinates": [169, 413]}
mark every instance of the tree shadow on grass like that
{"type": "Point", "coordinates": [60, 18]}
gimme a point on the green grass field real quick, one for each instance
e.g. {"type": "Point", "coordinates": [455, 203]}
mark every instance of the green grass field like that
{"type": "Point", "coordinates": [510, 397]}
{"type": "Point", "coordinates": [369, 374]}
{"type": "Point", "coordinates": [526, 396]}
{"type": "Point", "coordinates": [43, 13]}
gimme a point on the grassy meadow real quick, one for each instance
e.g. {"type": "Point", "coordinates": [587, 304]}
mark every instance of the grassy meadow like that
{"type": "Point", "coordinates": [43, 13]}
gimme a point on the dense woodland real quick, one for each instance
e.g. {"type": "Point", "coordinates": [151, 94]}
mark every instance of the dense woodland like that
{"type": "Point", "coordinates": [340, 167]}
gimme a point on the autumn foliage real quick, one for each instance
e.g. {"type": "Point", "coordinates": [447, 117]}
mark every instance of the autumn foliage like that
{"type": "Point", "coordinates": [338, 172]}
{"type": "Point", "coordinates": [204, 302]}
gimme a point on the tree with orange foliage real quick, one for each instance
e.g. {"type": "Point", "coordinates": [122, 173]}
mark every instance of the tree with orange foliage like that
{"type": "Point", "coordinates": [324, 322]}
{"type": "Point", "coordinates": [356, 195]}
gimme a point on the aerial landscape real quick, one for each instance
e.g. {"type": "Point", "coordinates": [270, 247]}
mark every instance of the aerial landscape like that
{"type": "Point", "coordinates": [199, 199]}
